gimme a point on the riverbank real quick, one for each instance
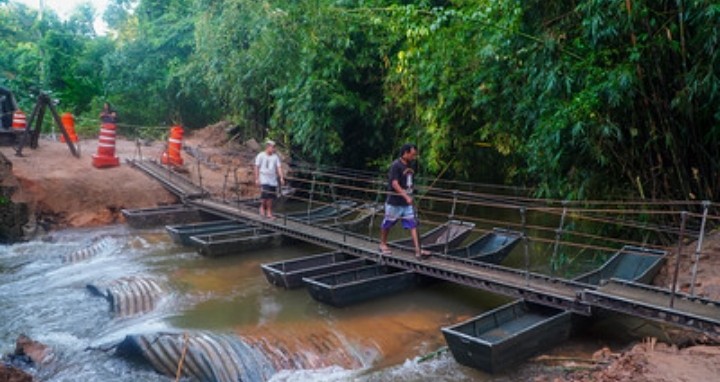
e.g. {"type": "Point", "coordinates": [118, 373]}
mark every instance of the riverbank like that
{"type": "Point", "coordinates": [63, 191]}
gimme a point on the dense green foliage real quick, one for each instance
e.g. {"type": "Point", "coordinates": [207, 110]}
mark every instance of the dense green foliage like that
{"type": "Point", "coordinates": [600, 98]}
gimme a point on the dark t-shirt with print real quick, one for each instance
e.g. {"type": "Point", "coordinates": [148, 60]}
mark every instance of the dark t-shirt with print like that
{"type": "Point", "coordinates": [404, 175]}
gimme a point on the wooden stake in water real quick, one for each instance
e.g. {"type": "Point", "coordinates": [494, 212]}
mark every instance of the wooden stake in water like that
{"type": "Point", "coordinates": [677, 259]}
{"type": "Point", "coordinates": [696, 258]}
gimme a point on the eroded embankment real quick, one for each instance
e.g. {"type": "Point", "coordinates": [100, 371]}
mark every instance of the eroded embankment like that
{"type": "Point", "coordinates": [14, 212]}
{"type": "Point", "coordinates": [48, 188]}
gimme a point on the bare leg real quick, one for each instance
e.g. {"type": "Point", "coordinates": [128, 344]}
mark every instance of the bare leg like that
{"type": "Point", "coordinates": [416, 240]}
{"type": "Point", "coordinates": [383, 240]}
{"type": "Point", "coordinates": [262, 207]}
{"type": "Point", "coordinates": [268, 208]}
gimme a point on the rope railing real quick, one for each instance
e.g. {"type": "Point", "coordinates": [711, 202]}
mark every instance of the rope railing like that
{"type": "Point", "coordinates": [495, 204]}
{"type": "Point", "coordinates": [374, 174]}
{"type": "Point", "coordinates": [589, 214]}
{"type": "Point", "coordinates": [481, 199]}
{"type": "Point", "coordinates": [505, 201]}
{"type": "Point", "coordinates": [549, 230]}
{"type": "Point", "coordinates": [351, 173]}
{"type": "Point", "coordinates": [324, 188]}
{"type": "Point", "coordinates": [482, 203]}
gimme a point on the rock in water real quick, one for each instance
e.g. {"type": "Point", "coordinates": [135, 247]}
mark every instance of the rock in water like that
{"type": "Point", "coordinates": [12, 374]}
{"type": "Point", "coordinates": [38, 353]}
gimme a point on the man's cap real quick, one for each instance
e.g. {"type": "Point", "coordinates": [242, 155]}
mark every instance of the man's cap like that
{"type": "Point", "coordinates": [270, 142]}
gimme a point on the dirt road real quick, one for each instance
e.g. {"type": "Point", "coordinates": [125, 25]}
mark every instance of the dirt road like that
{"type": "Point", "coordinates": [66, 191]}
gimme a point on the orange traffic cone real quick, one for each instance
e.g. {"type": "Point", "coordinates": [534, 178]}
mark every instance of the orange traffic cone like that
{"type": "Point", "coordinates": [68, 122]}
{"type": "Point", "coordinates": [19, 123]}
{"type": "Point", "coordinates": [172, 155]}
{"type": "Point", "coordinates": [105, 156]}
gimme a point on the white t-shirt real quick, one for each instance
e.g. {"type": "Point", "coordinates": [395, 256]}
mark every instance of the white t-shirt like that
{"type": "Point", "coordinates": [268, 166]}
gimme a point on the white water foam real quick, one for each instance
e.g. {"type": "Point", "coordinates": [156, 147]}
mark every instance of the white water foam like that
{"type": "Point", "coordinates": [329, 374]}
{"type": "Point", "coordinates": [441, 368]}
{"type": "Point", "coordinates": [269, 309]}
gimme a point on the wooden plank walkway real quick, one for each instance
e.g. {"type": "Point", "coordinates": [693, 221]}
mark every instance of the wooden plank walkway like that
{"type": "Point", "coordinates": [634, 299]}
{"type": "Point", "coordinates": [175, 182]}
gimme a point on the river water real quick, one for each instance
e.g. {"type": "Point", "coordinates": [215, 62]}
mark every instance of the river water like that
{"type": "Point", "coordinates": [379, 340]}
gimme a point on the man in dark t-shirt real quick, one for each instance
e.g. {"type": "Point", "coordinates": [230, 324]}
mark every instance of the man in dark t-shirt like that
{"type": "Point", "coordinates": [399, 203]}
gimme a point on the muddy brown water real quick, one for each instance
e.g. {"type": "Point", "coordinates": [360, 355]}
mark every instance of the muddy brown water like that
{"type": "Point", "coordinates": [384, 339]}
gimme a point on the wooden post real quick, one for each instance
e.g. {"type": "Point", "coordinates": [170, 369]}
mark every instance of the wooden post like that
{"type": "Point", "coordinates": [35, 134]}
{"type": "Point", "coordinates": [60, 125]}
{"type": "Point", "coordinates": [23, 139]}
{"type": "Point", "coordinates": [696, 258]}
{"type": "Point", "coordinates": [677, 258]}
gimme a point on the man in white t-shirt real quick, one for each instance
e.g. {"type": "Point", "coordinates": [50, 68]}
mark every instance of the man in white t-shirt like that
{"type": "Point", "coordinates": [268, 170]}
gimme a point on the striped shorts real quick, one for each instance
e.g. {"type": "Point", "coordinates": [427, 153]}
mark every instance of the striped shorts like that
{"type": "Point", "coordinates": [405, 213]}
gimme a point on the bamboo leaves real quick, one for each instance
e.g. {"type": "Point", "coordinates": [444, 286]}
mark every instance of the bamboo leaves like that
{"type": "Point", "coordinates": [594, 98]}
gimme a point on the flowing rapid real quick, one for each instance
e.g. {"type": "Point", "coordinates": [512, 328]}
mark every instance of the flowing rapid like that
{"type": "Point", "coordinates": [96, 295]}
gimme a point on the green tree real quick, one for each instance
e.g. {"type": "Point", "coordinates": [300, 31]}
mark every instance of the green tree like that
{"type": "Point", "coordinates": [20, 58]}
{"type": "Point", "coordinates": [146, 76]}
{"type": "Point", "coordinates": [47, 54]}
{"type": "Point", "coordinates": [601, 98]}
{"type": "Point", "coordinates": [117, 13]}
{"type": "Point", "coordinates": [282, 67]}
{"type": "Point", "coordinates": [608, 98]}
{"type": "Point", "coordinates": [81, 21]}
